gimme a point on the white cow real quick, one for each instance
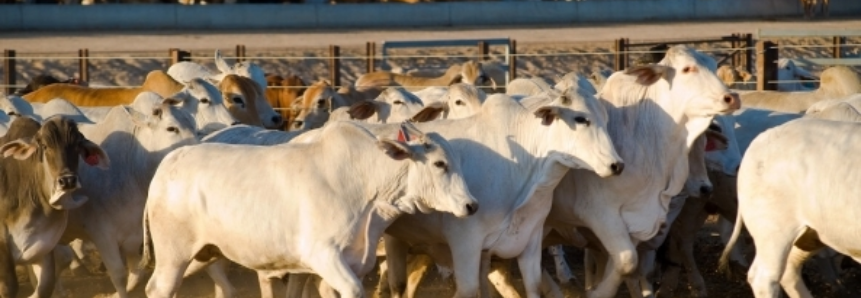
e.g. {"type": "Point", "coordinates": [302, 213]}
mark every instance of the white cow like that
{"type": "Point", "coordinates": [791, 75]}
{"type": "Point", "coordinates": [813, 197]}
{"type": "Point", "coordinates": [656, 113]}
{"type": "Point", "coordinates": [835, 83]}
{"type": "Point", "coordinates": [14, 105]}
{"type": "Point", "coordinates": [111, 219]}
{"type": "Point", "coordinates": [199, 98]}
{"type": "Point", "coordinates": [545, 137]}
{"type": "Point", "coordinates": [354, 188]}
{"type": "Point", "coordinates": [186, 71]}
{"type": "Point", "coordinates": [854, 100]}
{"type": "Point", "coordinates": [393, 105]}
{"type": "Point", "coordinates": [527, 87]}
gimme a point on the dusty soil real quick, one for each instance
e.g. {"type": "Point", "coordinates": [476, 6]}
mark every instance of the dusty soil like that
{"type": "Point", "coordinates": [553, 52]}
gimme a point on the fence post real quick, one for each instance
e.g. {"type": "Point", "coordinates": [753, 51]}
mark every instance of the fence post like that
{"type": "Point", "coordinates": [746, 58]}
{"type": "Point", "coordinates": [335, 64]}
{"type": "Point", "coordinates": [177, 55]}
{"type": "Point", "coordinates": [240, 53]}
{"type": "Point", "coordinates": [371, 52]}
{"type": "Point", "coordinates": [512, 63]}
{"type": "Point", "coordinates": [735, 43]}
{"type": "Point", "coordinates": [483, 51]}
{"type": "Point", "coordinates": [839, 41]}
{"type": "Point", "coordinates": [9, 71]}
{"type": "Point", "coordinates": [766, 65]}
{"type": "Point", "coordinates": [621, 54]}
{"type": "Point", "coordinates": [84, 65]}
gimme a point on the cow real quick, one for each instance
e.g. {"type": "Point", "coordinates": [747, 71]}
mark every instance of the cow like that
{"type": "Point", "coordinates": [527, 87]}
{"type": "Point", "coordinates": [185, 71]}
{"type": "Point", "coordinates": [811, 196]}
{"type": "Point", "coordinates": [140, 139]}
{"type": "Point", "coordinates": [43, 80]}
{"type": "Point", "coordinates": [544, 148]}
{"type": "Point", "coordinates": [282, 92]}
{"type": "Point", "coordinates": [656, 112]}
{"type": "Point", "coordinates": [199, 98]}
{"type": "Point", "coordinates": [392, 106]}
{"type": "Point", "coordinates": [246, 88]}
{"type": "Point", "coordinates": [421, 172]}
{"type": "Point", "coordinates": [470, 72]}
{"type": "Point", "coordinates": [39, 175]}
{"type": "Point", "coordinates": [835, 82]}
{"type": "Point", "coordinates": [736, 78]}
{"type": "Point", "coordinates": [315, 106]}
{"type": "Point", "coordinates": [155, 81]}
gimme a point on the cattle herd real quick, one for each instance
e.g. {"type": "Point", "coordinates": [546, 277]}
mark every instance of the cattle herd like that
{"type": "Point", "coordinates": [196, 170]}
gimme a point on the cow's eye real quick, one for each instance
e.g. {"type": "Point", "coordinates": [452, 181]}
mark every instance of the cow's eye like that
{"type": "Point", "coordinates": [204, 100]}
{"type": "Point", "coordinates": [173, 129]}
{"type": "Point", "coordinates": [398, 102]}
{"type": "Point", "coordinates": [440, 164]}
{"type": "Point", "coordinates": [459, 102]}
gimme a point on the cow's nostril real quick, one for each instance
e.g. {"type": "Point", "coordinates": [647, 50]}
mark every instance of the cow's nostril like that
{"type": "Point", "coordinates": [472, 208]}
{"type": "Point", "coordinates": [235, 123]}
{"type": "Point", "coordinates": [727, 99]}
{"type": "Point", "coordinates": [67, 182]}
{"type": "Point", "coordinates": [706, 190]}
{"type": "Point", "coordinates": [617, 168]}
{"type": "Point", "coordinates": [277, 119]}
{"type": "Point", "coordinates": [297, 124]}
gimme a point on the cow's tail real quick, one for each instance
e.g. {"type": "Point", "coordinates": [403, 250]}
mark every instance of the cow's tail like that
{"type": "Point", "coordinates": [723, 264]}
{"type": "Point", "coordinates": [148, 252]}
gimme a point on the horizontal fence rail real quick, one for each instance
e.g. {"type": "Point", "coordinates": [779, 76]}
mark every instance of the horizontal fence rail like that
{"type": "Point", "coordinates": [741, 53]}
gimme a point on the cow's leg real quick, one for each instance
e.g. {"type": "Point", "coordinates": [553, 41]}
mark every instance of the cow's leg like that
{"type": "Point", "coordinates": [791, 279]}
{"type": "Point", "coordinates": [136, 273]}
{"type": "Point", "coordinates": [44, 271]}
{"type": "Point", "coordinates": [309, 287]}
{"type": "Point", "coordinates": [218, 272]}
{"type": "Point", "coordinates": [530, 265]}
{"type": "Point", "coordinates": [167, 277]}
{"type": "Point", "coordinates": [417, 267]}
{"type": "Point", "coordinates": [383, 284]}
{"type": "Point", "coordinates": [396, 260]}
{"type": "Point", "coordinates": [332, 268]}
{"type": "Point", "coordinates": [466, 257]}
{"type": "Point", "coordinates": [773, 243]}
{"type": "Point", "coordinates": [563, 272]}
{"type": "Point", "coordinates": [114, 262]}
{"type": "Point", "coordinates": [613, 234]}
{"type": "Point", "coordinates": [295, 284]}
{"type": "Point", "coordinates": [267, 289]}
{"type": "Point", "coordinates": [483, 272]}
{"type": "Point", "coordinates": [549, 288]}
{"type": "Point", "coordinates": [500, 278]}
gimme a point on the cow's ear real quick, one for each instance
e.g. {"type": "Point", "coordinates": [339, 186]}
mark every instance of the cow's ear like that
{"type": "Point", "coordinates": [457, 79]}
{"type": "Point", "coordinates": [394, 149]}
{"type": "Point", "coordinates": [648, 74]}
{"type": "Point", "coordinates": [138, 118]}
{"type": "Point", "coordinates": [93, 155]}
{"type": "Point", "coordinates": [547, 114]}
{"type": "Point", "coordinates": [363, 110]}
{"type": "Point", "coordinates": [20, 149]}
{"type": "Point", "coordinates": [430, 112]}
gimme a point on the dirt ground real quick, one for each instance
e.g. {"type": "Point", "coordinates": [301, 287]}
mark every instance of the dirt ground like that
{"type": "Point", "coordinates": [554, 52]}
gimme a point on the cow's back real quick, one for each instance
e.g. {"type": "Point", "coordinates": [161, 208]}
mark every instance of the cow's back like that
{"type": "Point", "coordinates": [805, 172]}
{"type": "Point", "coordinates": [83, 96]}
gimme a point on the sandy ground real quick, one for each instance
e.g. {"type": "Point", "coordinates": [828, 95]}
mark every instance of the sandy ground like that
{"type": "Point", "coordinates": [125, 58]}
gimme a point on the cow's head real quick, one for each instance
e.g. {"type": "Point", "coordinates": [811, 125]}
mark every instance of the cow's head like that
{"type": "Point", "coordinates": [203, 101]}
{"type": "Point", "coordinates": [689, 82]}
{"type": "Point", "coordinates": [575, 125]}
{"type": "Point", "coordinates": [314, 107]}
{"type": "Point", "coordinates": [472, 73]}
{"type": "Point", "coordinates": [793, 76]}
{"type": "Point", "coordinates": [723, 153]}
{"type": "Point", "coordinates": [462, 101]}
{"type": "Point", "coordinates": [247, 103]}
{"type": "Point", "coordinates": [434, 180]}
{"type": "Point", "coordinates": [165, 126]}
{"type": "Point", "coordinates": [57, 146]}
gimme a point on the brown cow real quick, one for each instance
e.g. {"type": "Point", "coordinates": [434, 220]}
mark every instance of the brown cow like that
{"type": "Point", "coordinates": [40, 81]}
{"type": "Point", "coordinates": [156, 81]}
{"type": "Point", "coordinates": [320, 99]}
{"type": "Point", "coordinates": [241, 96]}
{"type": "Point", "coordinates": [284, 93]}
{"type": "Point", "coordinates": [38, 173]}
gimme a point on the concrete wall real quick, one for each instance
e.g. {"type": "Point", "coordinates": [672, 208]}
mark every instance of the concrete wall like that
{"type": "Point", "coordinates": [350, 16]}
